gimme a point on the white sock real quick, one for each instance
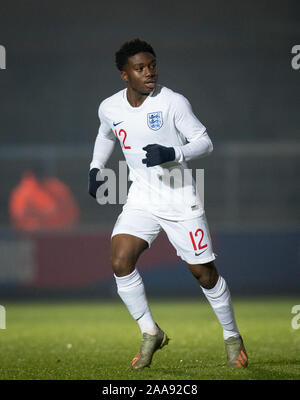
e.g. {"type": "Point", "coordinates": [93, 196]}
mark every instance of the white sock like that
{"type": "Point", "coordinates": [220, 300]}
{"type": "Point", "coordinates": [132, 292]}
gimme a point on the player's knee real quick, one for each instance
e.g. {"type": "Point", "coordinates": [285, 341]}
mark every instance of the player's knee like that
{"type": "Point", "coordinates": [206, 274]}
{"type": "Point", "coordinates": [207, 281]}
{"type": "Point", "coordinates": [122, 264]}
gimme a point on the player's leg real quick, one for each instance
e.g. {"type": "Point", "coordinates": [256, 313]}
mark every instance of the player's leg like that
{"type": "Point", "coordinates": [206, 274]}
{"type": "Point", "coordinates": [133, 233]}
{"type": "Point", "coordinates": [217, 293]}
{"type": "Point", "coordinates": [191, 239]}
{"type": "Point", "coordinates": [125, 251]}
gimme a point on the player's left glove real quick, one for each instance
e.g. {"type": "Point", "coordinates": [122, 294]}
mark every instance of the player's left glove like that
{"type": "Point", "coordinates": [157, 154]}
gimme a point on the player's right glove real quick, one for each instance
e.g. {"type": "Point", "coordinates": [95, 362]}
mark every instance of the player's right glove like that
{"type": "Point", "coordinates": [93, 183]}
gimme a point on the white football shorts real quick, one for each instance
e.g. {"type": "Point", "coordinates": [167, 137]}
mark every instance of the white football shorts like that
{"type": "Point", "coordinates": [190, 238]}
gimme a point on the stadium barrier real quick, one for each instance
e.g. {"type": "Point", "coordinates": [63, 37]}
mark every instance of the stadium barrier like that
{"type": "Point", "coordinates": [78, 263]}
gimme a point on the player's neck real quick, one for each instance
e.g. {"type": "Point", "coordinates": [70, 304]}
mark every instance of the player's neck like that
{"type": "Point", "coordinates": [135, 99]}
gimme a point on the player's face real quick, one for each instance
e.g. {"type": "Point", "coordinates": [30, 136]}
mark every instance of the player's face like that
{"type": "Point", "coordinates": [140, 73]}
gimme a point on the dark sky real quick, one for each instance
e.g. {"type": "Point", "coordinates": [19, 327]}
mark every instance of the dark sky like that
{"type": "Point", "coordinates": [231, 59]}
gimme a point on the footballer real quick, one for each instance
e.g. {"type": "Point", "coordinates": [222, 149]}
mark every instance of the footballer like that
{"type": "Point", "coordinates": [158, 133]}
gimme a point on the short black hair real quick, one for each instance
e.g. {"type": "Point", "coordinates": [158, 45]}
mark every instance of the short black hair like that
{"type": "Point", "coordinates": [129, 49]}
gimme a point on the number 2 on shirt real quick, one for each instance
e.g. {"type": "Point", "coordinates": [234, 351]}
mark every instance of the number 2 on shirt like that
{"type": "Point", "coordinates": [124, 138]}
{"type": "Point", "coordinates": [200, 246]}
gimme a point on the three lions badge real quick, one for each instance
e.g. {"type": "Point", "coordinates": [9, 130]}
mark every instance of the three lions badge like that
{"type": "Point", "coordinates": [155, 120]}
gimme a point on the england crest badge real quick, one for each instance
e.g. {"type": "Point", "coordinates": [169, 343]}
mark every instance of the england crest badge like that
{"type": "Point", "coordinates": [155, 120]}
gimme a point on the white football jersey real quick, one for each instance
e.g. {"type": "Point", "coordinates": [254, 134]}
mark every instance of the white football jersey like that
{"type": "Point", "coordinates": [164, 118]}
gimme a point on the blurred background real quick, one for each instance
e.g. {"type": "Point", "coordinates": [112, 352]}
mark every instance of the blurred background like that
{"type": "Point", "coordinates": [232, 60]}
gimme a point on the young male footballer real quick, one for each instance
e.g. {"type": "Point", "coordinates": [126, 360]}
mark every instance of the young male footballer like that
{"type": "Point", "coordinates": [158, 133]}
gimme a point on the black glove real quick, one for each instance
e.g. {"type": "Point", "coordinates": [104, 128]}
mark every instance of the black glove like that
{"type": "Point", "coordinates": [93, 184]}
{"type": "Point", "coordinates": [157, 154]}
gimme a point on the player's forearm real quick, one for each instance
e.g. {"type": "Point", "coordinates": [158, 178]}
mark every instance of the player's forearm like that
{"type": "Point", "coordinates": [197, 148]}
{"type": "Point", "coordinates": [102, 151]}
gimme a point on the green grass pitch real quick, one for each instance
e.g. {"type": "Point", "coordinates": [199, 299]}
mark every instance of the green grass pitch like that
{"type": "Point", "coordinates": [97, 340]}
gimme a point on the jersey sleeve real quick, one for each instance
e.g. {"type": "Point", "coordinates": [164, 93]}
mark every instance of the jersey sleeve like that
{"type": "Point", "coordinates": [199, 143]}
{"type": "Point", "coordinates": [185, 120]}
{"type": "Point", "coordinates": [104, 143]}
{"type": "Point", "coordinates": [105, 128]}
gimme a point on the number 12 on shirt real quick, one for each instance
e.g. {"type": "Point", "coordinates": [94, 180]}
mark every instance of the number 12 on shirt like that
{"type": "Point", "coordinates": [123, 133]}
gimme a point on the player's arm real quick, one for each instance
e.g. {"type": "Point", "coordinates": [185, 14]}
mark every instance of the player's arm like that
{"type": "Point", "coordinates": [104, 145]}
{"type": "Point", "coordinates": [199, 143]}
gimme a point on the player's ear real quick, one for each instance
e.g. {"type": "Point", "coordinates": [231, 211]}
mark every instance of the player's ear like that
{"type": "Point", "coordinates": [124, 76]}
